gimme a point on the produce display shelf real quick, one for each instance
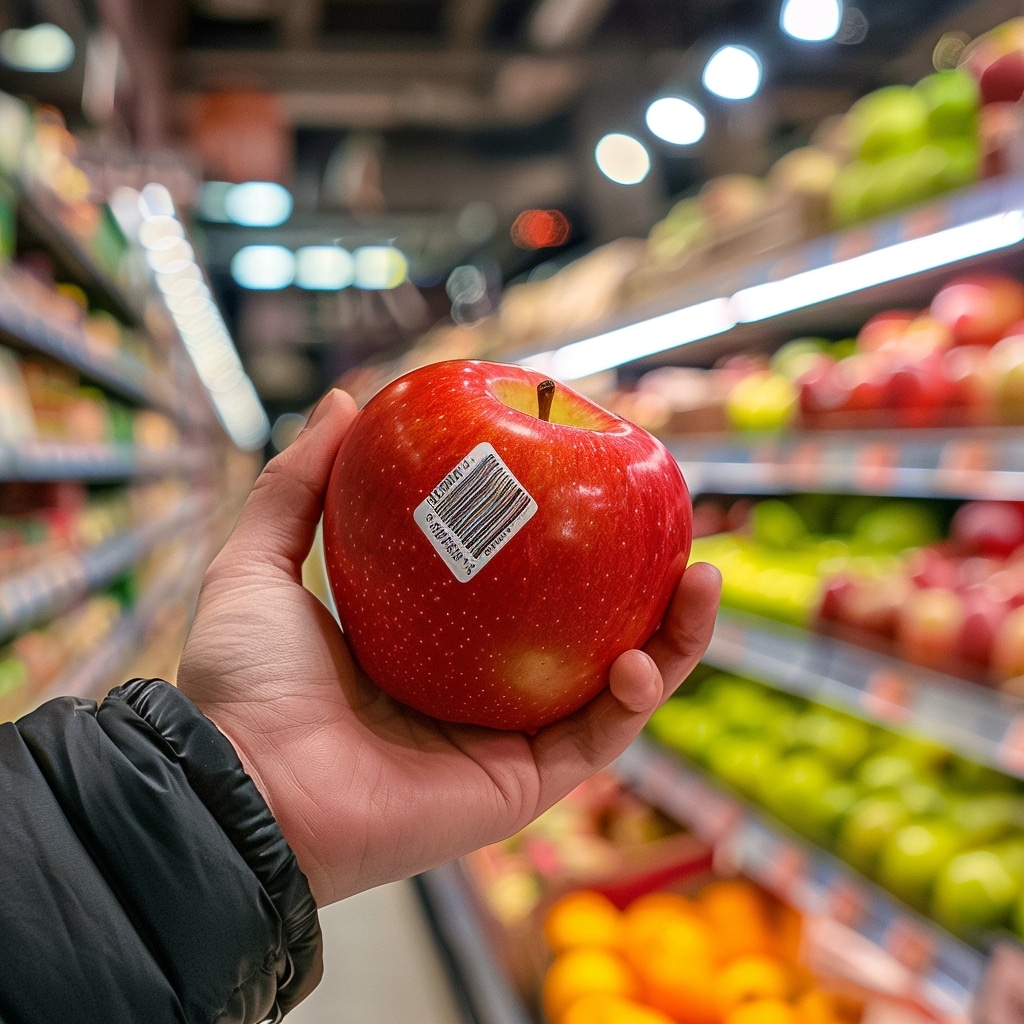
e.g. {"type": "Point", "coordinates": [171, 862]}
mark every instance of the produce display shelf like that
{"type": "Point", "coordinates": [481, 984]}
{"type": "Point", "coordinates": [55, 460]}
{"type": "Point", "coordinates": [972, 463]}
{"type": "Point", "coordinates": [21, 321]}
{"type": "Point", "coordinates": [940, 970]}
{"type": "Point", "coordinates": [896, 258]}
{"type": "Point", "coordinates": [972, 720]}
{"type": "Point", "coordinates": [46, 590]}
{"type": "Point", "coordinates": [100, 668]}
{"type": "Point", "coordinates": [44, 215]}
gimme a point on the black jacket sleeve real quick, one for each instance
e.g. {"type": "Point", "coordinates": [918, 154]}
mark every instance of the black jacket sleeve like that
{"type": "Point", "coordinates": [143, 878]}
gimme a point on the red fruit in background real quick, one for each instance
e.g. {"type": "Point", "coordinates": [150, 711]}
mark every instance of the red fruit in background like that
{"type": "Point", "coordinates": [1002, 81]}
{"type": "Point", "coordinates": [976, 570]}
{"type": "Point", "coordinates": [1007, 660]}
{"type": "Point", "coordinates": [874, 603]}
{"type": "Point", "coordinates": [930, 567]}
{"type": "Point", "coordinates": [834, 595]}
{"type": "Point", "coordinates": [924, 336]}
{"type": "Point", "coordinates": [708, 518]}
{"type": "Point", "coordinates": [919, 390]}
{"type": "Point", "coordinates": [979, 308]}
{"type": "Point", "coordinates": [971, 377]}
{"type": "Point", "coordinates": [488, 564]}
{"type": "Point", "coordinates": [928, 626]}
{"type": "Point", "coordinates": [884, 330]}
{"type": "Point", "coordinates": [983, 616]}
{"type": "Point", "coordinates": [821, 390]}
{"type": "Point", "coordinates": [993, 528]}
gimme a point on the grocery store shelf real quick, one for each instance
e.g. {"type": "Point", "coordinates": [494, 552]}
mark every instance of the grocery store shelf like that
{"type": "Point", "coordinates": [48, 589]}
{"type": "Point", "coordinates": [43, 215]}
{"type": "Point", "coordinates": [976, 722]}
{"type": "Point", "coordinates": [22, 322]}
{"type": "Point", "coordinates": [100, 668]}
{"type": "Point", "coordinates": [896, 258]}
{"type": "Point", "coordinates": [986, 463]}
{"type": "Point", "coordinates": [55, 460]}
{"type": "Point", "coordinates": [945, 972]}
{"type": "Point", "coordinates": [478, 979]}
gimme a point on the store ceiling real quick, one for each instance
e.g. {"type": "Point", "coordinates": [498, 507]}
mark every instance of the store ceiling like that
{"type": "Point", "coordinates": [432, 123]}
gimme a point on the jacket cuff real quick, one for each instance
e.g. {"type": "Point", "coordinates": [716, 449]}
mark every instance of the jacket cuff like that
{"type": "Point", "coordinates": [215, 773]}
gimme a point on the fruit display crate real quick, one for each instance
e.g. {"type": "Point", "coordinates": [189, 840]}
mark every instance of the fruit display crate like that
{"type": "Point", "coordinates": [934, 967]}
{"type": "Point", "coordinates": [49, 460]}
{"type": "Point", "coordinates": [843, 276]}
{"type": "Point", "coordinates": [973, 463]}
{"type": "Point", "coordinates": [979, 723]}
{"type": "Point", "coordinates": [45, 590]}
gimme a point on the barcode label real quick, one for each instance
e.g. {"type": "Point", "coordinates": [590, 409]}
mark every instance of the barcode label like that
{"type": "Point", "coordinates": [474, 512]}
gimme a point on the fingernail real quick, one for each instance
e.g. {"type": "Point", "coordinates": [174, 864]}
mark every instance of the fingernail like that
{"type": "Point", "coordinates": [319, 410]}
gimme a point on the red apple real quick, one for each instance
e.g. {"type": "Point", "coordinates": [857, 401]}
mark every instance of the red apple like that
{"type": "Point", "coordinates": [971, 378]}
{"type": "Point", "coordinates": [979, 308]}
{"type": "Point", "coordinates": [1002, 81]}
{"type": "Point", "coordinates": [874, 603]}
{"type": "Point", "coordinates": [983, 616]}
{"type": "Point", "coordinates": [489, 563]}
{"type": "Point", "coordinates": [928, 626]}
{"type": "Point", "coordinates": [884, 330]}
{"type": "Point", "coordinates": [994, 528]}
{"type": "Point", "coordinates": [1008, 647]}
{"type": "Point", "coordinates": [931, 567]}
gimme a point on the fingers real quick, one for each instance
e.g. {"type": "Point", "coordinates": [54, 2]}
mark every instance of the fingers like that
{"type": "Point", "coordinates": [571, 750]}
{"type": "Point", "coordinates": [278, 521]}
{"type": "Point", "coordinates": [687, 627]}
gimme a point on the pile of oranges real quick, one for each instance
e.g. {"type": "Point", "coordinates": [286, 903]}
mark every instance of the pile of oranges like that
{"type": "Point", "coordinates": [725, 956]}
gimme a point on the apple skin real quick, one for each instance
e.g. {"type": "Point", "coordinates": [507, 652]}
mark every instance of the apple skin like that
{"type": "Point", "coordinates": [530, 637]}
{"type": "Point", "coordinates": [979, 308]}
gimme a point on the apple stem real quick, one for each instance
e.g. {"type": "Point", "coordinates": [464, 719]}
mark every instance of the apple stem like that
{"type": "Point", "coordinates": [545, 396]}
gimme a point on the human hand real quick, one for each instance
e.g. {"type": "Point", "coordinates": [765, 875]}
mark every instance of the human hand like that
{"type": "Point", "coordinates": [365, 789]}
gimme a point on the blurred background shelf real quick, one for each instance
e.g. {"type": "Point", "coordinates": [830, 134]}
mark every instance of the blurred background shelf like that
{"type": "Point", "coordinates": [940, 969]}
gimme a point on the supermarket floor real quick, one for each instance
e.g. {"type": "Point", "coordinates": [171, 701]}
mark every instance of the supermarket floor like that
{"type": "Point", "coordinates": [380, 964]}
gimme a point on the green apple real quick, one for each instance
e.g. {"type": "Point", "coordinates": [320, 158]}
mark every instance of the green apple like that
{"type": "Point", "coordinates": [689, 729]}
{"type": "Point", "coordinates": [893, 119]}
{"type": "Point", "coordinates": [914, 855]}
{"type": "Point", "coordinates": [868, 826]}
{"type": "Point", "coordinates": [762, 401]}
{"type": "Point", "coordinates": [776, 523]}
{"type": "Point", "coordinates": [987, 817]}
{"type": "Point", "coordinates": [798, 355]}
{"type": "Point", "coordinates": [897, 525]}
{"type": "Point", "coordinates": [923, 799]}
{"type": "Point", "coordinates": [740, 759]}
{"type": "Point", "coordinates": [741, 703]}
{"type": "Point", "coordinates": [975, 891]}
{"type": "Point", "coordinates": [825, 809]}
{"type": "Point", "coordinates": [952, 100]}
{"type": "Point", "coordinates": [886, 770]}
{"type": "Point", "coordinates": [786, 787]}
{"type": "Point", "coordinates": [844, 740]}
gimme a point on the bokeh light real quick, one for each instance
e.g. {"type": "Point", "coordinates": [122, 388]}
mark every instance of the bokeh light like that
{"type": "Point", "coordinates": [622, 159]}
{"type": "Point", "coordinates": [732, 72]}
{"type": "Point", "coordinates": [673, 119]}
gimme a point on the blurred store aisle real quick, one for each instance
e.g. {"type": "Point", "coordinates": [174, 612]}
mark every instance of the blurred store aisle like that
{"type": "Point", "coordinates": [381, 965]}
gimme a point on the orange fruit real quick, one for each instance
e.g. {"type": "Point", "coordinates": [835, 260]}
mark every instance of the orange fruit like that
{"type": "Point", "coordinates": [660, 925]}
{"type": "Point", "coordinates": [818, 1007]}
{"type": "Point", "coordinates": [749, 978]}
{"type": "Point", "coordinates": [601, 1008]}
{"type": "Point", "coordinates": [738, 913]}
{"type": "Point", "coordinates": [582, 918]}
{"type": "Point", "coordinates": [763, 1011]}
{"type": "Point", "coordinates": [680, 987]}
{"type": "Point", "coordinates": [582, 971]}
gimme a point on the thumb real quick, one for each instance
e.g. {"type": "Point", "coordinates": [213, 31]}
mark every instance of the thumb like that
{"type": "Point", "coordinates": [278, 521]}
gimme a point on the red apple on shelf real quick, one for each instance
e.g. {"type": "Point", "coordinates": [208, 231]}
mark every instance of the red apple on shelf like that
{"type": "Point", "coordinates": [1008, 647]}
{"type": "Point", "coordinates": [884, 330]}
{"type": "Point", "coordinates": [971, 378]}
{"type": "Point", "coordinates": [490, 558]}
{"type": "Point", "coordinates": [983, 616]}
{"type": "Point", "coordinates": [874, 603]}
{"type": "Point", "coordinates": [979, 308]}
{"type": "Point", "coordinates": [929, 567]}
{"type": "Point", "coordinates": [994, 528]}
{"type": "Point", "coordinates": [928, 626]}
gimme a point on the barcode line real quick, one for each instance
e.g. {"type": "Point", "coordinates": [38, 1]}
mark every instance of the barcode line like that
{"type": "Point", "coordinates": [482, 505]}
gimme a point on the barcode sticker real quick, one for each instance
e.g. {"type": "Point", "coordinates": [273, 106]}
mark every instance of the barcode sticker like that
{"type": "Point", "coordinates": [474, 512]}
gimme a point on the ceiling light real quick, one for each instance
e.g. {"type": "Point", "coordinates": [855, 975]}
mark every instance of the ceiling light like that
{"type": "Point", "coordinates": [676, 120]}
{"type": "Point", "coordinates": [263, 267]}
{"type": "Point", "coordinates": [45, 48]}
{"type": "Point", "coordinates": [379, 267]}
{"type": "Point", "coordinates": [326, 268]}
{"type": "Point", "coordinates": [811, 20]}
{"type": "Point", "coordinates": [622, 159]}
{"type": "Point", "coordinates": [258, 204]}
{"type": "Point", "coordinates": [732, 72]}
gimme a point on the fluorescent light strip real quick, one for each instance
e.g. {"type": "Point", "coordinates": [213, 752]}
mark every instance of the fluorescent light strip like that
{"type": "Point", "coordinates": [634, 341]}
{"type": "Point", "coordinates": [879, 266]}
{"type": "Point", "coordinates": [760, 302]}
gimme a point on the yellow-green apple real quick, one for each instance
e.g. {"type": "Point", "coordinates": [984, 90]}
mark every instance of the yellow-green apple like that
{"type": "Point", "coordinates": [489, 556]}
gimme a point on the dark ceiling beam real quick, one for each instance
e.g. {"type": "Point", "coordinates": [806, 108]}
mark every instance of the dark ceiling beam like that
{"type": "Point", "coordinates": [466, 22]}
{"type": "Point", "coordinates": [300, 23]}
